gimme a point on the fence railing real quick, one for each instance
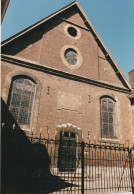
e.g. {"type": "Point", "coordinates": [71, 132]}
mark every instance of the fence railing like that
{"type": "Point", "coordinates": [90, 167]}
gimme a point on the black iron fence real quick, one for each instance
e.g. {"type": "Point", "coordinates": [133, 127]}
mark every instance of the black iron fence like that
{"type": "Point", "coordinates": [90, 167]}
{"type": "Point", "coordinates": [37, 165]}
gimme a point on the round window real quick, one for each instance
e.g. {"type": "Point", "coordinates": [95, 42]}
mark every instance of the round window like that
{"type": "Point", "coordinates": [71, 56]}
{"type": "Point", "coordinates": [72, 31]}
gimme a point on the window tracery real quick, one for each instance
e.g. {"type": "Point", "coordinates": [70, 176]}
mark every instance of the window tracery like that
{"type": "Point", "coordinates": [108, 118]}
{"type": "Point", "coordinates": [21, 99]}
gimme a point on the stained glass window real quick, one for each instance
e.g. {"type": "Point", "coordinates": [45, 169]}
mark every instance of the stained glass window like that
{"type": "Point", "coordinates": [108, 118]}
{"type": "Point", "coordinates": [71, 56]}
{"type": "Point", "coordinates": [21, 100]}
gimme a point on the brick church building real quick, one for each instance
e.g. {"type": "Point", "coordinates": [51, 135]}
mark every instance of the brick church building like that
{"type": "Point", "coordinates": [59, 79]}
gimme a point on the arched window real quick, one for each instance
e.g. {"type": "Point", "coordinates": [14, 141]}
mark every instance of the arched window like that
{"type": "Point", "coordinates": [108, 118]}
{"type": "Point", "coordinates": [21, 100]}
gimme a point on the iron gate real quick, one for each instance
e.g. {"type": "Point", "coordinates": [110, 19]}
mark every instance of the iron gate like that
{"type": "Point", "coordinates": [96, 167]}
{"type": "Point", "coordinates": [67, 153]}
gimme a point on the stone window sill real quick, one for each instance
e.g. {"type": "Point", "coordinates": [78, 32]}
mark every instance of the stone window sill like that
{"type": "Point", "coordinates": [103, 140]}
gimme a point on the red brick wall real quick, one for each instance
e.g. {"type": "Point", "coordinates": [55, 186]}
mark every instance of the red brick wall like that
{"type": "Point", "coordinates": [68, 99]}
{"type": "Point", "coordinates": [131, 76]}
{"type": "Point", "coordinates": [131, 80]}
{"type": "Point", "coordinates": [45, 47]}
{"type": "Point", "coordinates": [83, 114]}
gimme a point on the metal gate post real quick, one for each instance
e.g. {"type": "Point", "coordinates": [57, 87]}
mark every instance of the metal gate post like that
{"type": "Point", "coordinates": [131, 169]}
{"type": "Point", "coordinates": [82, 168]}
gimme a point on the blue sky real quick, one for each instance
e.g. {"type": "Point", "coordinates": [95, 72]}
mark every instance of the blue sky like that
{"type": "Point", "coordinates": [112, 19]}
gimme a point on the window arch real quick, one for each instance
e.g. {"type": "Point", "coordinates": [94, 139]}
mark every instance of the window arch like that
{"type": "Point", "coordinates": [21, 99]}
{"type": "Point", "coordinates": [108, 118]}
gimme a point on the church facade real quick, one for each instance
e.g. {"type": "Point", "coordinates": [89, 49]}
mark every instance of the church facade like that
{"type": "Point", "coordinates": [60, 81]}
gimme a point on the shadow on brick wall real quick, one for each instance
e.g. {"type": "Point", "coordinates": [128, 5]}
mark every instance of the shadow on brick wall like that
{"type": "Point", "coordinates": [36, 34]}
{"type": "Point", "coordinates": [25, 166]}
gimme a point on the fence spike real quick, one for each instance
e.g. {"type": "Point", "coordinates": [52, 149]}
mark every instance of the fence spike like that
{"type": "Point", "coordinates": [14, 126]}
{"type": "Point", "coordinates": [2, 124]}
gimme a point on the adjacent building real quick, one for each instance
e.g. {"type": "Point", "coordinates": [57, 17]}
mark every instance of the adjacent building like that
{"type": "Point", "coordinates": [131, 96]}
{"type": "Point", "coordinates": [4, 5]}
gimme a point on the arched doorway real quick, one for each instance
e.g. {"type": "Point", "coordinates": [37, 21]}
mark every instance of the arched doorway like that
{"type": "Point", "coordinates": [68, 135]}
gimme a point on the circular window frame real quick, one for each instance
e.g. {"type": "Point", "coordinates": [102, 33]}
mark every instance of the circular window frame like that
{"type": "Point", "coordinates": [73, 56]}
{"type": "Point", "coordinates": [79, 57]}
{"type": "Point", "coordinates": [76, 28]}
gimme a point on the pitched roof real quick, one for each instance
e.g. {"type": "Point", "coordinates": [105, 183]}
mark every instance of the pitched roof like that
{"type": "Point", "coordinates": [89, 26]}
{"type": "Point", "coordinates": [37, 24]}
